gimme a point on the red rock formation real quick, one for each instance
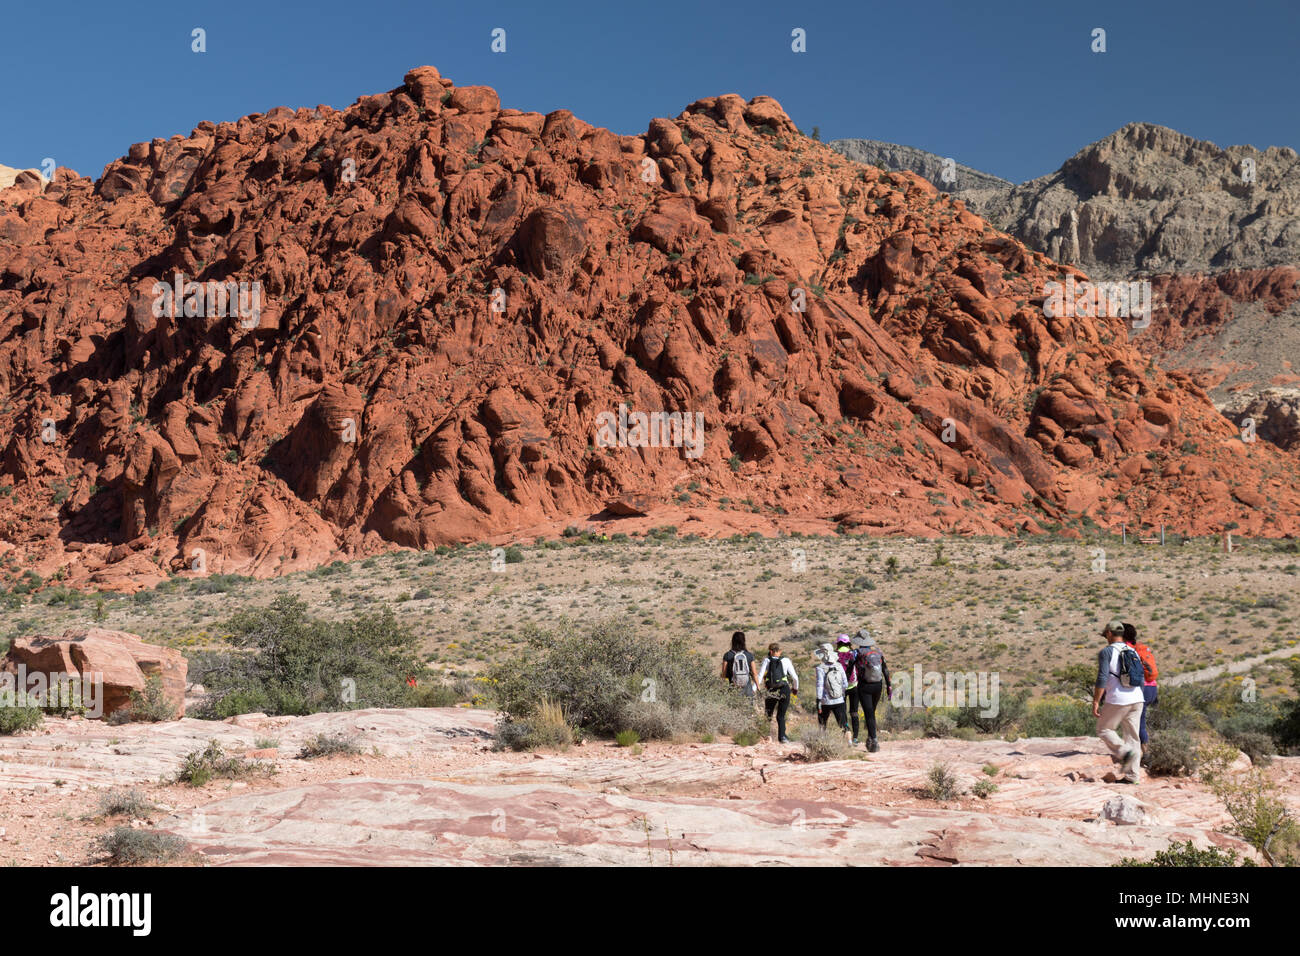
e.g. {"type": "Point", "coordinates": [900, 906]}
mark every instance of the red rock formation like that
{"type": "Point", "coordinates": [438, 333]}
{"type": "Point", "coordinates": [121, 662]}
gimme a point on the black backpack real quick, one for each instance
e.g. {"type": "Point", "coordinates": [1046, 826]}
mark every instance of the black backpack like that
{"type": "Point", "coordinates": [776, 678]}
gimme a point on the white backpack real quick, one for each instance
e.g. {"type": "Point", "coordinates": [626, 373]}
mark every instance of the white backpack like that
{"type": "Point", "coordinates": [740, 669]}
{"type": "Point", "coordinates": [835, 685]}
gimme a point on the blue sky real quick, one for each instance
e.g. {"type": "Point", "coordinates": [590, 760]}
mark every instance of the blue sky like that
{"type": "Point", "coordinates": [1011, 88]}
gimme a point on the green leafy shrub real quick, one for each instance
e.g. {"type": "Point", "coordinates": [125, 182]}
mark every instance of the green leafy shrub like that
{"type": "Point", "coordinates": [607, 678]}
{"type": "Point", "coordinates": [1171, 753]}
{"type": "Point", "coordinates": [941, 783]}
{"type": "Point", "coordinates": [626, 738]}
{"type": "Point", "coordinates": [1058, 716]}
{"type": "Point", "coordinates": [1186, 854]}
{"type": "Point", "coordinates": [151, 705]}
{"type": "Point", "coordinates": [290, 663]}
{"type": "Point", "coordinates": [201, 766]}
{"type": "Point", "coordinates": [544, 725]}
{"type": "Point", "coordinates": [14, 720]}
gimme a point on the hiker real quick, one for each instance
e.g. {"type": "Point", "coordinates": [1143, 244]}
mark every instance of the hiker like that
{"type": "Point", "coordinates": [738, 666]}
{"type": "Point", "coordinates": [873, 678]}
{"type": "Point", "coordinates": [777, 675]}
{"type": "Point", "coordinates": [1149, 694]}
{"type": "Point", "coordinates": [831, 687]}
{"type": "Point", "coordinates": [846, 654]}
{"type": "Point", "coordinates": [1120, 678]}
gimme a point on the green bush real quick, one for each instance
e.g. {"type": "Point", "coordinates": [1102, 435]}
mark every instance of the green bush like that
{"type": "Point", "coordinates": [545, 725]}
{"type": "Point", "coordinates": [290, 663]}
{"type": "Point", "coordinates": [1171, 753]}
{"type": "Point", "coordinates": [201, 766]}
{"type": "Point", "coordinates": [608, 678]}
{"type": "Point", "coordinates": [821, 743]}
{"type": "Point", "coordinates": [941, 783]}
{"type": "Point", "coordinates": [626, 738]}
{"type": "Point", "coordinates": [1186, 854]}
{"type": "Point", "coordinates": [941, 722]}
{"type": "Point", "coordinates": [15, 720]}
{"type": "Point", "coordinates": [1011, 709]}
{"type": "Point", "coordinates": [1058, 716]}
{"type": "Point", "coordinates": [151, 705]}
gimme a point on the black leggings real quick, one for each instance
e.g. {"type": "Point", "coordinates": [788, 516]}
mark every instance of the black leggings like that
{"type": "Point", "coordinates": [825, 710]}
{"type": "Point", "coordinates": [780, 704]}
{"type": "Point", "coordinates": [867, 696]}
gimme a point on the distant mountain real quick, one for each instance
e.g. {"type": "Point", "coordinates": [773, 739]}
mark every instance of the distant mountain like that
{"type": "Point", "coordinates": [964, 182]}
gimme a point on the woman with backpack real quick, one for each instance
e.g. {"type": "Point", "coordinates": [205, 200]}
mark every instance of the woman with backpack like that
{"type": "Point", "coordinates": [873, 680]}
{"type": "Point", "coordinates": [777, 675]}
{"type": "Point", "coordinates": [847, 657]}
{"type": "Point", "coordinates": [738, 666]}
{"type": "Point", "coordinates": [1149, 693]}
{"type": "Point", "coordinates": [832, 684]}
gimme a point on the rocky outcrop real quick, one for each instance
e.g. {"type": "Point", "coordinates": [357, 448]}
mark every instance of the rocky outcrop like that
{"type": "Point", "coordinates": [314, 333]}
{"type": "Point", "coordinates": [116, 663]}
{"type": "Point", "coordinates": [1150, 200]}
{"type": "Point", "coordinates": [429, 788]}
{"type": "Point", "coordinates": [943, 173]}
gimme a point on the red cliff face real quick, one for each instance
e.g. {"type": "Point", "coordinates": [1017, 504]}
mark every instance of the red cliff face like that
{"type": "Point", "coordinates": [451, 294]}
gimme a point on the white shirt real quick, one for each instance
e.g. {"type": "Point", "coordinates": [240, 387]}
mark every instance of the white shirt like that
{"type": "Point", "coordinates": [789, 672]}
{"type": "Point", "coordinates": [1117, 693]}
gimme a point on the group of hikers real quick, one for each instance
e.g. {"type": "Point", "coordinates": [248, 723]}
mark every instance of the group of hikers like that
{"type": "Point", "coordinates": [852, 676]}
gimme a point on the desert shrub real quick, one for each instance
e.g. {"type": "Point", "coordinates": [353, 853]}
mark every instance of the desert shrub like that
{"type": "Point", "coordinates": [1259, 747]}
{"type": "Point", "coordinates": [1171, 753]}
{"type": "Point", "coordinates": [290, 663]}
{"type": "Point", "coordinates": [1193, 708]}
{"type": "Point", "coordinates": [1259, 816]}
{"type": "Point", "coordinates": [626, 738]}
{"type": "Point", "coordinates": [151, 704]}
{"type": "Point", "coordinates": [125, 803]}
{"type": "Point", "coordinates": [745, 738]}
{"type": "Point", "coordinates": [329, 745]}
{"type": "Point", "coordinates": [14, 720]}
{"type": "Point", "coordinates": [941, 783]}
{"type": "Point", "coordinates": [201, 766]}
{"type": "Point", "coordinates": [1058, 716]}
{"type": "Point", "coordinates": [899, 719]}
{"type": "Point", "coordinates": [824, 744]}
{"type": "Point", "coordinates": [545, 725]}
{"type": "Point", "coordinates": [1011, 708]}
{"type": "Point", "coordinates": [514, 555]}
{"type": "Point", "coordinates": [125, 846]}
{"type": "Point", "coordinates": [607, 678]}
{"type": "Point", "coordinates": [940, 722]}
{"type": "Point", "coordinates": [984, 789]}
{"type": "Point", "coordinates": [437, 694]}
{"type": "Point", "coordinates": [1286, 730]}
{"type": "Point", "coordinates": [1186, 854]}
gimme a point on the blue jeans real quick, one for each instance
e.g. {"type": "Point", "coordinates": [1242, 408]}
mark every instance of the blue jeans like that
{"type": "Point", "coordinates": [1149, 698]}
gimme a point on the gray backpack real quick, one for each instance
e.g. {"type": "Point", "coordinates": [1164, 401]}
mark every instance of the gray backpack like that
{"type": "Point", "coordinates": [740, 669]}
{"type": "Point", "coordinates": [835, 683]}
